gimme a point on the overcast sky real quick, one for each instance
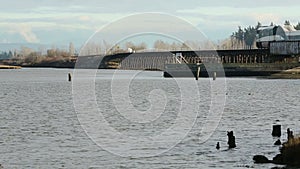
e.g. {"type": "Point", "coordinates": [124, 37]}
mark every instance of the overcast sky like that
{"type": "Point", "coordinates": [63, 21]}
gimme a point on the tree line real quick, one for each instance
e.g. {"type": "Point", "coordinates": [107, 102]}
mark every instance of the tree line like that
{"type": "Point", "coordinates": [29, 55]}
{"type": "Point", "coordinates": [242, 38]}
{"type": "Point", "coordinates": [6, 55]}
{"type": "Point", "coordinates": [245, 37]}
{"type": "Point", "coordinates": [93, 48]}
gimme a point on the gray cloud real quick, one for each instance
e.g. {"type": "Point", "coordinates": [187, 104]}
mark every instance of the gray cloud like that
{"type": "Point", "coordinates": [99, 6]}
{"type": "Point", "coordinates": [86, 16]}
{"type": "Point", "coordinates": [26, 32]}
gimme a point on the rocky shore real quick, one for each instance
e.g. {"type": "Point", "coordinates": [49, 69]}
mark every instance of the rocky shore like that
{"type": "Point", "coordinates": [289, 153]}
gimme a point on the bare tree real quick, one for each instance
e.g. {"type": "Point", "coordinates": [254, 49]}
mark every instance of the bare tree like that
{"type": "Point", "coordinates": [71, 49]}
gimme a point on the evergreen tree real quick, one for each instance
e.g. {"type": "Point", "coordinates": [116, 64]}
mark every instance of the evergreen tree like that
{"type": "Point", "coordinates": [287, 22]}
{"type": "Point", "coordinates": [4, 55]}
{"type": "Point", "coordinates": [10, 54]}
{"type": "Point", "coordinates": [258, 25]}
{"type": "Point", "coordinates": [244, 37]}
{"type": "Point", "coordinates": [239, 36]}
{"type": "Point", "coordinates": [249, 35]}
{"type": "Point", "coordinates": [297, 27]}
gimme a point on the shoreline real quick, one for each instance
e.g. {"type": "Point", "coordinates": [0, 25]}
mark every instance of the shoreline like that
{"type": "Point", "coordinates": [281, 75]}
{"type": "Point", "coordinates": [9, 67]}
{"type": "Point", "coordinates": [293, 73]}
{"type": "Point", "coordinates": [287, 74]}
{"type": "Point", "coordinates": [260, 71]}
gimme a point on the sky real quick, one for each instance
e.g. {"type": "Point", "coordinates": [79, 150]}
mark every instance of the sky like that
{"type": "Point", "coordinates": [58, 22]}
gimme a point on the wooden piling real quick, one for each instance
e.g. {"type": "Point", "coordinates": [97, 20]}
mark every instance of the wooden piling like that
{"type": "Point", "coordinates": [69, 77]}
{"type": "Point", "coordinates": [198, 71]}
{"type": "Point", "coordinates": [276, 130]}
{"type": "Point", "coordinates": [231, 140]}
{"type": "Point", "coordinates": [215, 76]}
{"type": "Point", "coordinates": [218, 146]}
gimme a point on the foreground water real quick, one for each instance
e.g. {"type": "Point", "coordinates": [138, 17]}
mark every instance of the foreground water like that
{"type": "Point", "coordinates": [39, 127]}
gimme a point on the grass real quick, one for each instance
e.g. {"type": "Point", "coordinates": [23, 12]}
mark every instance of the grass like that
{"type": "Point", "coordinates": [290, 151]}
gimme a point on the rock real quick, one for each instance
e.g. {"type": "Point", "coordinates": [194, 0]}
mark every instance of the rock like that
{"type": "Point", "coordinates": [260, 159]}
{"type": "Point", "coordinates": [278, 168]}
{"type": "Point", "coordinates": [278, 159]}
{"type": "Point", "coordinates": [277, 143]}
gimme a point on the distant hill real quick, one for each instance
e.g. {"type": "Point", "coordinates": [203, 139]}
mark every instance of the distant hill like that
{"type": "Point", "coordinates": [6, 47]}
{"type": "Point", "coordinates": [18, 46]}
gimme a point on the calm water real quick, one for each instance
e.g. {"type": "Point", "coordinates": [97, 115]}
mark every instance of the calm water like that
{"type": "Point", "coordinates": [39, 127]}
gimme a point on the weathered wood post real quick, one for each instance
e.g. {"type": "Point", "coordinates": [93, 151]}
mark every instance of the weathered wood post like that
{"type": "Point", "coordinates": [215, 76]}
{"type": "Point", "coordinates": [69, 77]}
{"type": "Point", "coordinates": [198, 71]}
{"type": "Point", "coordinates": [276, 130]}
{"type": "Point", "coordinates": [218, 146]}
{"type": "Point", "coordinates": [231, 140]}
{"type": "Point", "coordinates": [289, 134]}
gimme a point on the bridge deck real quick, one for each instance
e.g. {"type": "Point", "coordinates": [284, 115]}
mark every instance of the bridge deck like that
{"type": "Point", "coordinates": [157, 60]}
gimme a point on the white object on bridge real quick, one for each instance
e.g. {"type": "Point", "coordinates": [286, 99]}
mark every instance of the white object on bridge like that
{"type": "Point", "coordinates": [179, 58]}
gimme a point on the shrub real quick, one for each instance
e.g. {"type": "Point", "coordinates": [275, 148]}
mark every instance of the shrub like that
{"type": "Point", "coordinates": [290, 151]}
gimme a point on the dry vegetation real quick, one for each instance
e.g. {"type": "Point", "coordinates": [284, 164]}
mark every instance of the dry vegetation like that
{"type": "Point", "coordinates": [290, 152]}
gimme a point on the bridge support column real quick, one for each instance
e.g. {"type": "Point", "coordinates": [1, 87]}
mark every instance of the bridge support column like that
{"type": "Point", "coordinates": [198, 71]}
{"type": "Point", "coordinates": [215, 76]}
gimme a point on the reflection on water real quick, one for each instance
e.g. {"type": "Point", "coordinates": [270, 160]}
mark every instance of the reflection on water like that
{"type": "Point", "coordinates": [39, 126]}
